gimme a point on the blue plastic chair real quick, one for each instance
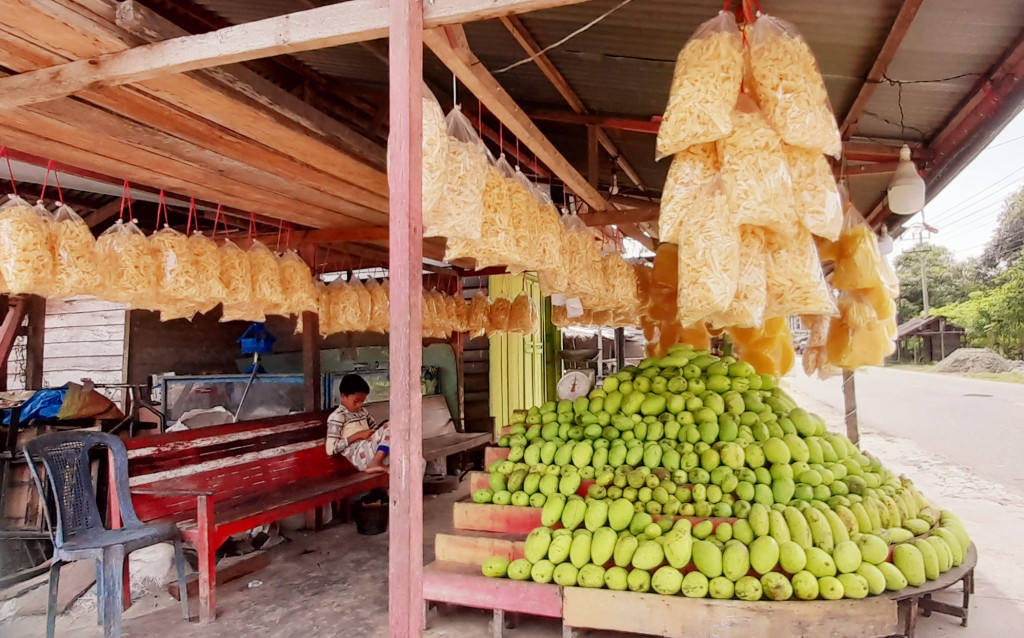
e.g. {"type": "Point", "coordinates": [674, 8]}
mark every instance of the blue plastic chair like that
{"type": "Point", "coordinates": [78, 532]}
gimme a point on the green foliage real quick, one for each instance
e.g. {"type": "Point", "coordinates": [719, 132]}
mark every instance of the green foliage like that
{"type": "Point", "coordinates": [994, 317]}
{"type": "Point", "coordinates": [949, 281]}
{"type": "Point", "coordinates": [1007, 239]}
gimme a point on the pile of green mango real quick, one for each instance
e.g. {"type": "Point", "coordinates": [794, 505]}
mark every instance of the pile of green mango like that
{"type": "Point", "coordinates": [691, 474]}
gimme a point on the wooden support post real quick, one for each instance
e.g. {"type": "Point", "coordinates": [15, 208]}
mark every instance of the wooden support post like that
{"type": "Point", "coordinates": [592, 165]}
{"type": "Point", "coordinates": [405, 344]}
{"type": "Point", "coordinates": [36, 311]}
{"type": "Point", "coordinates": [850, 403]}
{"type": "Point", "coordinates": [311, 396]}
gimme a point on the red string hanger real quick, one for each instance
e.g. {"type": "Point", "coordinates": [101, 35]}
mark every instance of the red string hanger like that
{"type": "Point", "coordinates": [10, 171]}
{"type": "Point", "coordinates": [217, 219]}
{"type": "Point", "coordinates": [126, 196]}
{"type": "Point", "coordinates": [50, 167]}
{"type": "Point", "coordinates": [192, 216]}
{"type": "Point", "coordinates": [161, 208]}
{"type": "Point", "coordinates": [252, 225]}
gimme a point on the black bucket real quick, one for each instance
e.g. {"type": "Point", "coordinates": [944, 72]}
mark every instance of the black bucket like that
{"type": "Point", "coordinates": [371, 513]}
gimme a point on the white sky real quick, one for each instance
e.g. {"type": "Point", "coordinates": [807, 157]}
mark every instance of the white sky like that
{"type": "Point", "coordinates": [966, 212]}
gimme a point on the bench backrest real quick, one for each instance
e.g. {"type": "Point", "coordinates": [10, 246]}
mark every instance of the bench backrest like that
{"type": "Point", "coordinates": [234, 461]}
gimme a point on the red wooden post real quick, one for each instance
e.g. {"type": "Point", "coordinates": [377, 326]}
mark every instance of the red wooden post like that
{"type": "Point", "coordinates": [207, 560]}
{"type": "Point", "coordinates": [405, 244]}
{"type": "Point", "coordinates": [311, 346]}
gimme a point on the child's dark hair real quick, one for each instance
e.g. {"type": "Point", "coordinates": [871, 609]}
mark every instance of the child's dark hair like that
{"type": "Point", "coordinates": [353, 384]}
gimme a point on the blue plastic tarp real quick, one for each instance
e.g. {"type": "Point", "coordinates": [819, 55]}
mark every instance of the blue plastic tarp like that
{"type": "Point", "coordinates": [44, 404]}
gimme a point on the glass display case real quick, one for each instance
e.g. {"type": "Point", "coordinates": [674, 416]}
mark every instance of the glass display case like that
{"type": "Point", "coordinates": [379, 381]}
{"type": "Point", "coordinates": [270, 395]}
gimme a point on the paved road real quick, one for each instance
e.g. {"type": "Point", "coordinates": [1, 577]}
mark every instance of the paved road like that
{"type": "Point", "coordinates": [962, 443]}
{"type": "Point", "coordinates": [976, 423]}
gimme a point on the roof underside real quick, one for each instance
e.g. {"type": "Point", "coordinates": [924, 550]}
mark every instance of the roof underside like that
{"type": "Point", "coordinates": [620, 67]}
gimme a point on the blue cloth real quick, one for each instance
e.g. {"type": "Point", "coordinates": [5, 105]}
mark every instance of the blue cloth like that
{"type": "Point", "coordinates": [44, 404]}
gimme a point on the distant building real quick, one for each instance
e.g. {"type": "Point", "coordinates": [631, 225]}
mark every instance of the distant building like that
{"type": "Point", "coordinates": [927, 340]}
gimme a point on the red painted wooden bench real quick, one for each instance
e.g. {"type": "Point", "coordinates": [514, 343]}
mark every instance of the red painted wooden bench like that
{"type": "Point", "coordinates": [218, 481]}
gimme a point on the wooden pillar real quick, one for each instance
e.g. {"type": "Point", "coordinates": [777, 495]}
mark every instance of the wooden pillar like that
{"type": "Point", "coordinates": [850, 404]}
{"type": "Point", "coordinates": [35, 342]}
{"type": "Point", "coordinates": [592, 157]}
{"type": "Point", "coordinates": [405, 342]}
{"type": "Point", "coordinates": [311, 395]}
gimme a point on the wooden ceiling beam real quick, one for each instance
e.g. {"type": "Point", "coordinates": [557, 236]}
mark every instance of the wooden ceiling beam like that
{"type": "Point", "coordinates": [633, 232]}
{"type": "Point", "coordinates": [518, 30]}
{"type": "Point", "coordinates": [454, 52]}
{"type": "Point", "coordinates": [103, 213]}
{"type": "Point", "coordinates": [898, 31]}
{"type": "Point", "coordinates": [617, 122]}
{"type": "Point", "coordinates": [319, 28]}
{"type": "Point", "coordinates": [612, 216]}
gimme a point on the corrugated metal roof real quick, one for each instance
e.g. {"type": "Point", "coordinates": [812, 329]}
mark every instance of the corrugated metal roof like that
{"type": "Point", "coordinates": [623, 65]}
{"type": "Point", "coordinates": [948, 38]}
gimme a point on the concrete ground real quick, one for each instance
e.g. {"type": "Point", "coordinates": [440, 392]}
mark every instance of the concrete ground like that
{"type": "Point", "coordinates": [960, 448]}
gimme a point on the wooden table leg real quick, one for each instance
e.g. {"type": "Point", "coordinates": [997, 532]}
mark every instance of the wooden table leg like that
{"type": "Point", "coordinates": [912, 617]}
{"type": "Point", "coordinates": [498, 624]}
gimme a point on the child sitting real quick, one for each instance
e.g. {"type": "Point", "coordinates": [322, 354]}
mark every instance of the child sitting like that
{"type": "Point", "coordinates": [352, 432]}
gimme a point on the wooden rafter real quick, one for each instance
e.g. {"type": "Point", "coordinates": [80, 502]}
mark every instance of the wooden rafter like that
{"type": "Point", "coordinates": [900, 27]}
{"type": "Point", "coordinates": [319, 28]}
{"type": "Point", "coordinates": [454, 52]}
{"type": "Point", "coordinates": [621, 216]}
{"type": "Point", "coordinates": [518, 30]}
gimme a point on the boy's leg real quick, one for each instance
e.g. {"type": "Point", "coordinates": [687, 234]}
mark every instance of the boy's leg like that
{"type": "Point", "coordinates": [381, 442]}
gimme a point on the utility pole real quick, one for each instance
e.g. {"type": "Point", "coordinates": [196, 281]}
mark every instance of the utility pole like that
{"type": "Point", "coordinates": [924, 282]}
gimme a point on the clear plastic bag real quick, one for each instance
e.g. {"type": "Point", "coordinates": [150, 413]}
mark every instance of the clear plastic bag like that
{"type": "Point", "coordinates": [747, 307]}
{"type": "Point", "coordinates": [344, 306]}
{"type": "Point", "coordinates": [754, 173]}
{"type": "Point", "coordinates": [362, 306]}
{"type": "Point", "coordinates": [520, 315]}
{"type": "Point", "coordinates": [497, 316]}
{"type": "Point", "coordinates": [380, 318]}
{"type": "Point", "coordinates": [494, 228]}
{"type": "Point", "coordinates": [435, 160]}
{"type": "Point", "coordinates": [324, 311]}
{"type": "Point", "coordinates": [209, 288]}
{"type": "Point", "coordinates": [581, 259]}
{"type": "Point", "coordinates": [235, 275]}
{"type": "Point", "coordinates": [479, 314]}
{"type": "Point", "coordinates": [177, 274]}
{"type": "Point", "coordinates": [693, 170]}
{"type": "Point", "coordinates": [858, 260]}
{"type": "Point", "coordinates": [459, 212]}
{"type": "Point", "coordinates": [709, 265]}
{"type": "Point", "coordinates": [298, 284]}
{"type": "Point", "coordinates": [26, 255]}
{"type": "Point", "coordinates": [74, 255]}
{"type": "Point", "coordinates": [795, 282]}
{"type": "Point", "coordinates": [461, 315]}
{"type": "Point", "coordinates": [267, 291]}
{"type": "Point", "coordinates": [859, 337]}
{"type": "Point", "coordinates": [768, 348]}
{"type": "Point", "coordinates": [818, 203]}
{"type": "Point", "coordinates": [705, 84]}
{"type": "Point", "coordinates": [128, 266]}
{"type": "Point", "coordinates": [790, 88]}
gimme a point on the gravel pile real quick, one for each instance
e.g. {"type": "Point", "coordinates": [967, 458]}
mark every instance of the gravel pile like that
{"type": "Point", "coordinates": [975, 360]}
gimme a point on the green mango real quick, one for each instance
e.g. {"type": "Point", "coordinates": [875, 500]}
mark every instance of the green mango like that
{"type": "Point", "coordinates": [653, 405]}
{"type": "Point", "coordinates": [631, 404]}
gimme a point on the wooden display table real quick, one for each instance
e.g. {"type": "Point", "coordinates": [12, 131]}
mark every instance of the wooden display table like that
{"type": "Point", "coordinates": [482, 531]}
